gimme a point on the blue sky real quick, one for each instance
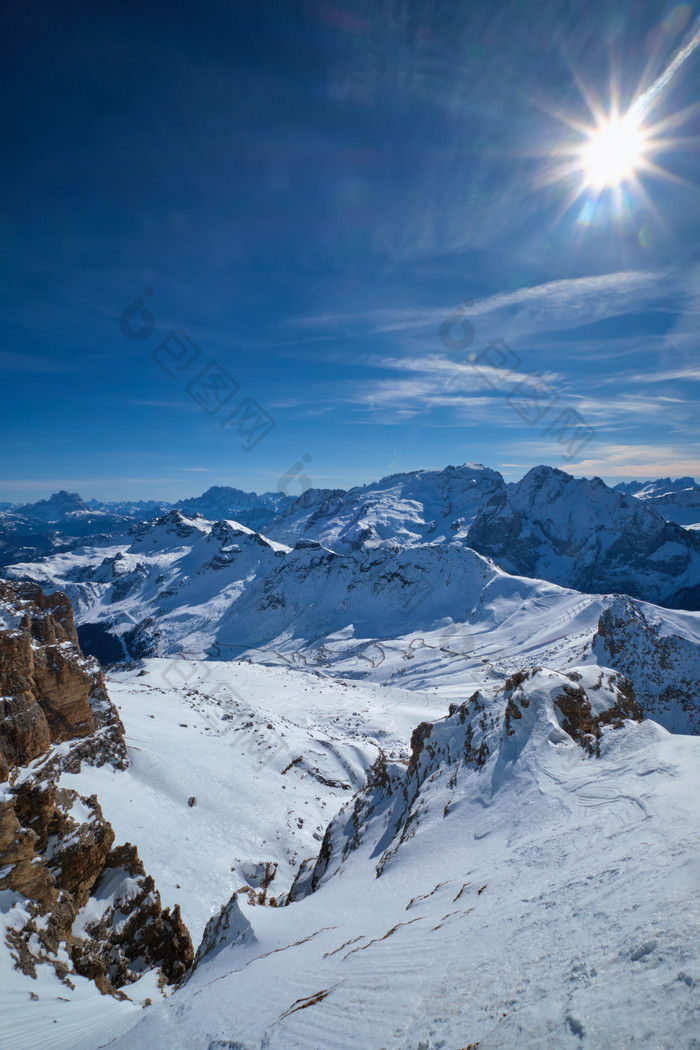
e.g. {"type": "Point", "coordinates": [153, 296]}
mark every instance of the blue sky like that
{"type": "Point", "coordinates": [309, 190]}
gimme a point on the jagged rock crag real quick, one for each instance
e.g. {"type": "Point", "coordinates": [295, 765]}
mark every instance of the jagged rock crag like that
{"type": "Point", "coordinates": [485, 736]}
{"type": "Point", "coordinates": [227, 928]}
{"type": "Point", "coordinates": [49, 692]}
{"type": "Point", "coordinates": [663, 666]}
{"type": "Point", "coordinates": [77, 903]}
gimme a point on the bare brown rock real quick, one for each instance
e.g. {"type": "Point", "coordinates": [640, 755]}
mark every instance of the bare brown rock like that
{"type": "Point", "coordinates": [583, 726]}
{"type": "Point", "coordinates": [23, 870]}
{"type": "Point", "coordinates": [45, 681]}
{"type": "Point", "coordinates": [77, 850]}
{"type": "Point", "coordinates": [134, 932]}
{"type": "Point", "coordinates": [24, 731]}
{"type": "Point", "coordinates": [56, 848]}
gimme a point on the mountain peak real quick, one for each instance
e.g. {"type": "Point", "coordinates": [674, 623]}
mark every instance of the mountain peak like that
{"type": "Point", "coordinates": [55, 507]}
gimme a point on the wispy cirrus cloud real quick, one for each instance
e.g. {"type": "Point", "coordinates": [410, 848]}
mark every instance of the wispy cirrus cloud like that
{"type": "Point", "coordinates": [688, 372]}
{"type": "Point", "coordinates": [613, 462]}
{"type": "Point", "coordinates": [641, 461]}
{"type": "Point", "coordinates": [442, 368]}
{"type": "Point", "coordinates": [436, 383]}
{"type": "Point", "coordinates": [682, 340]}
{"type": "Point", "coordinates": [480, 392]}
{"type": "Point", "coordinates": [553, 306]}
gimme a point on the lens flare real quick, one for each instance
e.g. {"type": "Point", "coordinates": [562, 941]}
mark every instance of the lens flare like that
{"type": "Point", "coordinates": [614, 153]}
{"type": "Point", "coordinates": [606, 168]}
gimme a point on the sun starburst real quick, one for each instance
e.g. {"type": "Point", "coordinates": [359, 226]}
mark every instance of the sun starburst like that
{"type": "Point", "coordinates": [614, 153]}
{"type": "Point", "coordinates": [610, 156]}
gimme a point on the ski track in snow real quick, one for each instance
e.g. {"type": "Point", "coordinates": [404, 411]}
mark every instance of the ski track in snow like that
{"type": "Point", "coordinates": [548, 900]}
{"type": "Point", "coordinates": [578, 868]}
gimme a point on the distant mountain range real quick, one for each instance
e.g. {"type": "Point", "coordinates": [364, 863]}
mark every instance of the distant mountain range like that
{"type": "Point", "coordinates": [577, 533]}
{"type": "Point", "coordinates": [677, 500]}
{"type": "Point", "coordinates": [364, 739]}
{"type": "Point", "coordinates": [223, 501]}
{"type": "Point", "coordinates": [65, 520]}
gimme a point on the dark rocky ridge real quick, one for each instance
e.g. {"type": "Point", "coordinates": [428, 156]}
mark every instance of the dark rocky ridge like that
{"type": "Point", "coordinates": [580, 533]}
{"type": "Point", "coordinates": [484, 730]}
{"type": "Point", "coordinates": [664, 667]}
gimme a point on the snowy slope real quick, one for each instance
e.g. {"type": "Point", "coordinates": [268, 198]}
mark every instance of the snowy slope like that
{"type": "Point", "coordinates": [507, 888]}
{"type": "Point", "coordinates": [268, 754]}
{"type": "Point", "coordinates": [422, 506]}
{"type": "Point", "coordinates": [582, 534]}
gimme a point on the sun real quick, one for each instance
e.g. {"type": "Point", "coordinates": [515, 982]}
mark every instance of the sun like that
{"type": "Point", "coordinates": [602, 166]}
{"type": "Point", "coordinates": [614, 153]}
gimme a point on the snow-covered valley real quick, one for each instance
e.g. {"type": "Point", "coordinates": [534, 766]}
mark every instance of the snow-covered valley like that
{"type": "Point", "coordinates": [405, 799]}
{"type": "Point", "coordinates": [531, 893]}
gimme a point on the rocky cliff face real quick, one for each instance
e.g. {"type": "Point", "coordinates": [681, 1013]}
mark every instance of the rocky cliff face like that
{"type": "Point", "coordinates": [662, 664]}
{"type": "Point", "coordinates": [50, 693]}
{"type": "Point", "coordinates": [75, 902]}
{"type": "Point", "coordinates": [582, 534]}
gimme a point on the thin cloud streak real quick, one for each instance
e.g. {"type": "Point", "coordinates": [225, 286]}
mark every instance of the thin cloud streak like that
{"type": "Point", "coordinates": [554, 306]}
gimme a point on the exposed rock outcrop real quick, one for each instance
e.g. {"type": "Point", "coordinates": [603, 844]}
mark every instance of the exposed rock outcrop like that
{"type": "Point", "coordinates": [486, 735]}
{"type": "Point", "coordinates": [77, 903]}
{"type": "Point", "coordinates": [664, 667]}
{"type": "Point", "coordinates": [49, 692]}
{"type": "Point", "coordinates": [229, 927]}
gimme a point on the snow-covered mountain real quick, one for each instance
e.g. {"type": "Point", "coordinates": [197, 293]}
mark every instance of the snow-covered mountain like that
{"type": "Point", "coordinates": [65, 521]}
{"type": "Point", "coordinates": [423, 506]}
{"type": "Point", "coordinates": [658, 487]}
{"type": "Point", "coordinates": [140, 509]}
{"type": "Point", "coordinates": [523, 877]}
{"type": "Point", "coordinates": [186, 584]}
{"type": "Point", "coordinates": [376, 772]}
{"type": "Point", "coordinates": [56, 524]}
{"type": "Point", "coordinates": [223, 502]}
{"type": "Point", "coordinates": [174, 574]}
{"type": "Point", "coordinates": [574, 532]}
{"type": "Point", "coordinates": [659, 651]}
{"type": "Point", "coordinates": [191, 588]}
{"type": "Point", "coordinates": [57, 508]}
{"type": "Point", "coordinates": [582, 534]}
{"type": "Point", "coordinates": [677, 500]}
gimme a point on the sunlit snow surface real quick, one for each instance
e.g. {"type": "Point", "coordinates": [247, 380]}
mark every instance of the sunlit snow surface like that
{"type": "Point", "coordinates": [585, 932]}
{"type": "Point", "coordinates": [268, 754]}
{"type": "Point", "coordinates": [549, 899]}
